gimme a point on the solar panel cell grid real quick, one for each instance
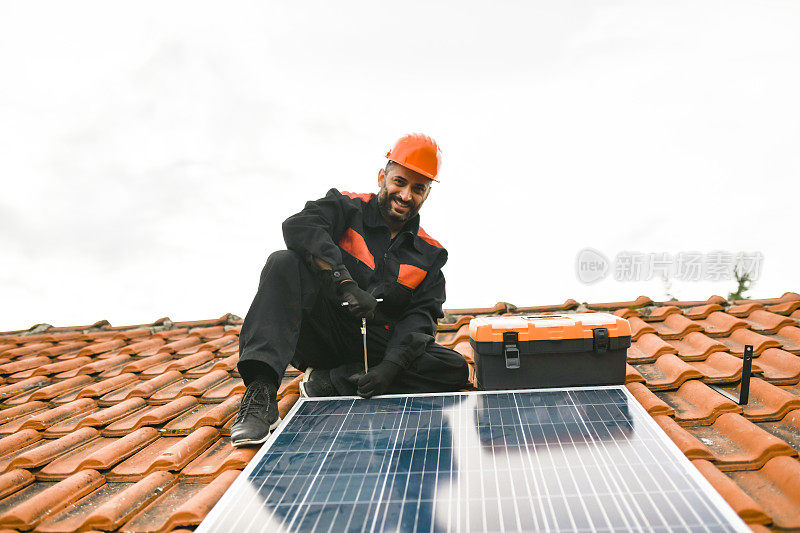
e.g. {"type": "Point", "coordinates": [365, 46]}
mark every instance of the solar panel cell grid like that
{"type": "Point", "coordinates": [570, 460]}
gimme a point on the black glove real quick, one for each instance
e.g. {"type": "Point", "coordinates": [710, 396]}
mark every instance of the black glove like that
{"type": "Point", "coordinates": [359, 302]}
{"type": "Point", "coordinates": [377, 380]}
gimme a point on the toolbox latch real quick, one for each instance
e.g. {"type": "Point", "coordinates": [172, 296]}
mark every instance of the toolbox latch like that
{"type": "Point", "coordinates": [510, 349]}
{"type": "Point", "coordinates": [600, 343]}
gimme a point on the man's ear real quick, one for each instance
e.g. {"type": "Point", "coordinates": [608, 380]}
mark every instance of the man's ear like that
{"type": "Point", "coordinates": [381, 177]}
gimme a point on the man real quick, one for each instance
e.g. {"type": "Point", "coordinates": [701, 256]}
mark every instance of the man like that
{"type": "Point", "coordinates": [346, 251]}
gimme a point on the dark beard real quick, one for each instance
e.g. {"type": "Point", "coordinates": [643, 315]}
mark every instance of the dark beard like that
{"type": "Point", "coordinates": [384, 206]}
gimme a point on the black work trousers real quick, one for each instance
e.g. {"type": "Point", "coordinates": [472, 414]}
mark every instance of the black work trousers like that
{"type": "Point", "coordinates": [296, 318]}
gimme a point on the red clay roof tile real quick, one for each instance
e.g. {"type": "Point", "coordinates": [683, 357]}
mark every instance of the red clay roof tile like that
{"type": "Point", "coordinates": [150, 417]}
{"type": "Point", "coordinates": [668, 372]}
{"type": "Point", "coordinates": [789, 337]}
{"type": "Point", "coordinates": [702, 311]}
{"type": "Point", "coordinates": [744, 505]}
{"type": "Point", "coordinates": [45, 419]}
{"type": "Point", "coordinates": [102, 347]}
{"type": "Point", "coordinates": [766, 322]}
{"type": "Point", "coordinates": [695, 403]}
{"type": "Point", "coordinates": [696, 346]}
{"type": "Point", "coordinates": [104, 386]}
{"type": "Point", "coordinates": [776, 488]}
{"type": "Point", "coordinates": [737, 340]}
{"type": "Point", "coordinates": [639, 327]}
{"type": "Point", "coordinates": [24, 363]}
{"type": "Point", "coordinates": [627, 312]}
{"type": "Point", "coordinates": [648, 347]}
{"type": "Point", "coordinates": [690, 445]}
{"type": "Point", "coordinates": [641, 301]}
{"type": "Point", "coordinates": [454, 326]}
{"type": "Point", "coordinates": [30, 512]}
{"type": "Point", "coordinates": [786, 429]}
{"type": "Point", "coordinates": [59, 388]}
{"type": "Point", "coordinates": [63, 348]}
{"type": "Point", "coordinates": [199, 386]}
{"type": "Point", "coordinates": [779, 367]}
{"type": "Point", "coordinates": [25, 411]}
{"type": "Point", "coordinates": [785, 308]}
{"type": "Point", "coordinates": [118, 508]}
{"type": "Point", "coordinates": [113, 413]}
{"type": "Point", "coordinates": [145, 389]}
{"type": "Point", "coordinates": [744, 309]}
{"type": "Point", "coordinates": [566, 306]}
{"type": "Point", "coordinates": [715, 299]}
{"type": "Point", "coordinates": [658, 314]}
{"type": "Point", "coordinates": [721, 367]}
{"type": "Point", "coordinates": [223, 391]}
{"type": "Point", "coordinates": [98, 454]}
{"type": "Point", "coordinates": [152, 343]}
{"type": "Point", "coordinates": [632, 375]}
{"type": "Point", "coordinates": [720, 324]}
{"type": "Point", "coordinates": [192, 511]}
{"type": "Point", "coordinates": [652, 403]}
{"type": "Point", "coordinates": [499, 307]}
{"type": "Point", "coordinates": [14, 480]}
{"type": "Point", "coordinates": [228, 364]}
{"type": "Point", "coordinates": [219, 457]}
{"type": "Point", "coordinates": [27, 349]}
{"type": "Point", "coordinates": [62, 366]}
{"type": "Point", "coordinates": [768, 402]}
{"type": "Point", "coordinates": [182, 504]}
{"type": "Point", "coordinates": [53, 449]}
{"type": "Point", "coordinates": [738, 444]}
{"type": "Point", "coordinates": [214, 415]}
{"type": "Point", "coordinates": [169, 393]}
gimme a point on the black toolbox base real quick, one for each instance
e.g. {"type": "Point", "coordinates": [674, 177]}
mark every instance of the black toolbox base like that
{"type": "Point", "coordinates": [540, 371]}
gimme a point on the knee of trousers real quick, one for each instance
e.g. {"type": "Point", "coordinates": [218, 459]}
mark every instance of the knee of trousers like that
{"type": "Point", "coordinates": [284, 259]}
{"type": "Point", "coordinates": [282, 262]}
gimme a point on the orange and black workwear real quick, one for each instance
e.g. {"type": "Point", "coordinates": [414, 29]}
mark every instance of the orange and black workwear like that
{"type": "Point", "coordinates": [297, 316]}
{"type": "Point", "coordinates": [347, 231]}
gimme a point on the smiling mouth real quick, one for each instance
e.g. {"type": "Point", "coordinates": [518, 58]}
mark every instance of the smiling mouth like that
{"type": "Point", "coordinates": [400, 206]}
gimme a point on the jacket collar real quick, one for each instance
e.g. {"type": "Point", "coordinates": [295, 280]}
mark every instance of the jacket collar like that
{"type": "Point", "coordinates": [373, 218]}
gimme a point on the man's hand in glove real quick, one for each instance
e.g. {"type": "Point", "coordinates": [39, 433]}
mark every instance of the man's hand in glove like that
{"type": "Point", "coordinates": [377, 380]}
{"type": "Point", "coordinates": [359, 302]}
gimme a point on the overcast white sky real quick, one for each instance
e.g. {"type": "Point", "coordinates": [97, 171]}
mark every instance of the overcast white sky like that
{"type": "Point", "coordinates": [150, 150]}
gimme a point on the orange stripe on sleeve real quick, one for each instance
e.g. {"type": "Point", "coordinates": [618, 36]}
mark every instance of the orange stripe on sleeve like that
{"type": "Point", "coordinates": [364, 197]}
{"type": "Point", "coordinates": [427, 238]}
{"type": "Point", "coordinates": [411, 276]}
{"type": "Point", "coordinates": [354, 244]}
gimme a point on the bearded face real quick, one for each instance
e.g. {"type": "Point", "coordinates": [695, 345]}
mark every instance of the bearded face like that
{"type": "Point", "coordinates": [401, 195]}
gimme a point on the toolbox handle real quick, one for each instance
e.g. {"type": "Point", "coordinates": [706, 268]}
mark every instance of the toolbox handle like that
{"type": "Point", "coordinates": [600, 343]}
{"type": "Point", "coordinates": [511, 349]}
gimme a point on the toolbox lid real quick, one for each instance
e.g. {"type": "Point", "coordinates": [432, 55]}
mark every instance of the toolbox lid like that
{"type": "Point", "coordinates": [547, 327]}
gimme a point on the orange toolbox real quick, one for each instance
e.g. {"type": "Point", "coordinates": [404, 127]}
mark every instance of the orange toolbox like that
{"type": "Point", "coordinates": [558, 350]}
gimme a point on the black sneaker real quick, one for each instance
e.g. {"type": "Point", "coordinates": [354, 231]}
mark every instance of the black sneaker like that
{"type": "Point", "coordinates": [316, 383]}
{"type": "Point", "coordinates": [258, 415]}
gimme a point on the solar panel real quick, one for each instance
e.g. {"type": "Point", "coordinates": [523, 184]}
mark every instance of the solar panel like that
{"type": "Point", "coordinates": [581, 459]}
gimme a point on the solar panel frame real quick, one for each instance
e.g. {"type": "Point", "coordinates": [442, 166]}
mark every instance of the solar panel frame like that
{"type": "Point", "coordinates": [215, 520]}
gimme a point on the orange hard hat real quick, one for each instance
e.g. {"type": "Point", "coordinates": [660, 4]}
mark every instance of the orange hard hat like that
{"type": "Point", "coordinates": [419, 153]}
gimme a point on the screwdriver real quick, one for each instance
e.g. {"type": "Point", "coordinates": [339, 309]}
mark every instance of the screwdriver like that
{"type": "Point", "coordinates": [364, 334]}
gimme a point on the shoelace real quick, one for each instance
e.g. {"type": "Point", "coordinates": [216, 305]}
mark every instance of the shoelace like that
{"type": "Point", "coordinates": [255, 401]}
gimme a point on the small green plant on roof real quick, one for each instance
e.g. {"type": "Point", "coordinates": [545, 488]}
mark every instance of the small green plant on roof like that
{"type": "Point", "coordinates": [743, 284]}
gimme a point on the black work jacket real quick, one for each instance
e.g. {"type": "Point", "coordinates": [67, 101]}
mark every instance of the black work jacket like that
{"type": "Point", "coordinates": [347, 231]}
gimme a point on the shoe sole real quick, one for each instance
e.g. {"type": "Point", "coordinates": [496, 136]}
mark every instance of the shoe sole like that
{"type": "Point", "coordinates": [253, 442]}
